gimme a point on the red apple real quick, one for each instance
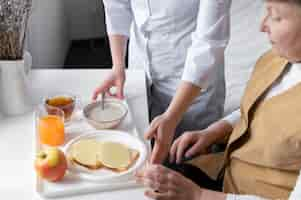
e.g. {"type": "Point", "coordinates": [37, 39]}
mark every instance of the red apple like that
{"type": "Point", "coordinates": [51, 164]}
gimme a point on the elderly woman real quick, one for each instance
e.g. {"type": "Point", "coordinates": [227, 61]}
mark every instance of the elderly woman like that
{"type": "Point", "coordinates": [263, 154]}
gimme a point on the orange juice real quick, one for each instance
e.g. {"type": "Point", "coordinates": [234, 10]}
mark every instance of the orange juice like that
{"type": "Point", "coordinates": [51, 130]}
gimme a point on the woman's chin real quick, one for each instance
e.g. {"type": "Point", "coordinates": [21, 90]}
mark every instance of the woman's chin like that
{"type": "Point", "coordinates": [276, 51]}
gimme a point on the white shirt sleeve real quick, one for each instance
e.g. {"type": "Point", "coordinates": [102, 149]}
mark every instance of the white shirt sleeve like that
{"type": "Point", "coordinates": [118, 16]}
{"type": "Point", "coordinates": [205, 56]}
{"type": "Point", "coordinates": [233, 117]}
{"type": "Point", "coordinates": [295, 194]}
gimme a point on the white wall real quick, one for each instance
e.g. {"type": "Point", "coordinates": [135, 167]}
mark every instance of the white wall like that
{"type": "Point", "coordinates": [48, 37]}
{"type": "Point", "coordinates": [246, 45]}
{"type": "Point", "coordinates": [86, 18]}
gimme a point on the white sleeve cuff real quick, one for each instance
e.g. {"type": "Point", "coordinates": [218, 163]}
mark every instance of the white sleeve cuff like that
{"type": "Point", "coordinates": [296, 193]}
{"type": "Point", "coordinates": [203, 64]}
{"type": "Point", "coordinates": [118, 17]}
{"type": "Point", "coordinates": [243, 197]}
{"type": "Point", "coordinates": [233, 117]}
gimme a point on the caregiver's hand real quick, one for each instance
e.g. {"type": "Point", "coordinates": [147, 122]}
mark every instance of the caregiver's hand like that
{"type": "Point", "coordinates": [167, 184]}
{"type": "Point", "coordinates": [116, 78]}
{"type": "Point", "coordinates": [190, 144]}
{"type": "Point", "coordinates": [162, 130]}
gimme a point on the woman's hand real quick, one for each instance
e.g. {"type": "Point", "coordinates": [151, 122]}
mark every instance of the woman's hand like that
{"type": "Point", "coordinates": [167, 184]}
{"type": "Point", "coordinates": [162, 130]}
{"type": "Point", "coordinates": [116, 79]}
{"type": "Point", "coordinates": [198, 142]}
{"type": "Point", "coordinates": [190, 144]}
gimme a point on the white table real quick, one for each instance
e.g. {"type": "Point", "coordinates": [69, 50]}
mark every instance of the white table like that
{"type": "Point", "coordinates": [17, 176]}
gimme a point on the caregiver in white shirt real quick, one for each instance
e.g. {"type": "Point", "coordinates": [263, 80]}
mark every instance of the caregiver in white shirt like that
{"type": "Point", "coordinates": [180, 44]}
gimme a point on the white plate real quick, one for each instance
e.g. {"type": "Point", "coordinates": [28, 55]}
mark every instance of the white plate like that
{"type": "Point", "coordinates": [101, 175]}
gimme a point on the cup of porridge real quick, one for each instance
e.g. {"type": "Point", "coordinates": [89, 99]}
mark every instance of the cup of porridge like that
{"type": "Point", "coordinates": [105, 116]}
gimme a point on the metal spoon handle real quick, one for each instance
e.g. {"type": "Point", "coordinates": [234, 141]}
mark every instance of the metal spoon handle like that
{"type": "Point", "coordinates": [103, 100]}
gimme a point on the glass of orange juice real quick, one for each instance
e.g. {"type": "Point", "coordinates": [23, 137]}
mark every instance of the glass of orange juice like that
{"type": "Point", "coordinates": [50, 126]}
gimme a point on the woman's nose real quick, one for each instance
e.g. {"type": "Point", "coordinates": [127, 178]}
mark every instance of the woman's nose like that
{"type": "Point", "coordinates": [264, 26]}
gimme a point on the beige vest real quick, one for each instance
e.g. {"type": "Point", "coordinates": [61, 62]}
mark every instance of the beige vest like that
{"type": "Point", "coordinates": [263, 155]}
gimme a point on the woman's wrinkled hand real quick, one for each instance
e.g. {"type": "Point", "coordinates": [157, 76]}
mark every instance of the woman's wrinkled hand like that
{"type": "Point", "coordinates": [166, 184]}
{"type": "Point", "coordinates": [190, 144]}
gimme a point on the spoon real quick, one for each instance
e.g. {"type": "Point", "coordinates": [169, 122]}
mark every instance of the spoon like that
{"type": "Point", "coordinates": [103, 101]}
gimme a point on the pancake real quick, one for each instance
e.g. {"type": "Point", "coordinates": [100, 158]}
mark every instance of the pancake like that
{"type": "Point", "coordinates": [114, 155]}
{"type": "Point", "coordinates": [85, 152]}
{"type": "Point", "coordinates": [94, 154]}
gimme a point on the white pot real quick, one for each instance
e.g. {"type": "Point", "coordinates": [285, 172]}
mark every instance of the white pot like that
{"type": "Point", "coordinates": [14, 93]}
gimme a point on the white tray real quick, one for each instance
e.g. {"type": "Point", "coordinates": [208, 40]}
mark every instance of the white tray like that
{"type": "Point", "coordinates": [73, 185]}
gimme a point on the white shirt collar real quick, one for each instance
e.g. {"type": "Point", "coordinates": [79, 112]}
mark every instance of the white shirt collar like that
{"type": "Point", "coordinates": [297, 65]}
